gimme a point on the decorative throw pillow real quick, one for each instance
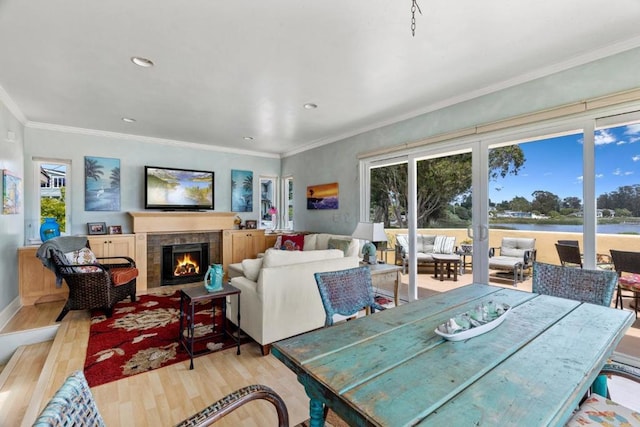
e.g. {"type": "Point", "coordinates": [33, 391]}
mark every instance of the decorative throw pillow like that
{"type": "Point", "coordinates": [82, 256]}
{"type": "Point", "coordinates": [251, 268]}
{"type": "Point", "coordinates": [443, 245]}
{"type": "Point", "coordinates": [278, 243]}
{"type": "Point", "coordinates": [292, 242]}
{"type": "Point", "coordinates": [310, 242]}
{"type": "Point", "coordinates": [341, 244]}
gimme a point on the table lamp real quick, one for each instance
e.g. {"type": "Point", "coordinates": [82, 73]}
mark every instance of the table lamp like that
{"type": "Point", "coordinates": [371, 232]}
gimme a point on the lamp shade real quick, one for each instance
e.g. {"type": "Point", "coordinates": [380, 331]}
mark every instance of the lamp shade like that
{"type": "Point", "coordinates": [371, 231]}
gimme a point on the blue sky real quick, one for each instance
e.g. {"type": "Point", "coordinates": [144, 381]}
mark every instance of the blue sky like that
{"type": "Point", "coordinates": [555, 165]}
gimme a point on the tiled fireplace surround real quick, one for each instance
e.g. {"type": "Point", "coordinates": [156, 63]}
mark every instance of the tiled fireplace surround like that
{"type": "Point", "coordinates": [155, 242]}
{"type": "Point", "coordinates": [154, 229]}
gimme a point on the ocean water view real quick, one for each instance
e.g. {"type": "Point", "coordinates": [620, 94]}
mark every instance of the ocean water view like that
{"type": "Point", "coordinates": [602, 228]}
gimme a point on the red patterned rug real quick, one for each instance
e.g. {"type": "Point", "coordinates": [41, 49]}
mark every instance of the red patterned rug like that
{"type": "Point", "coordinates": [142, 336]}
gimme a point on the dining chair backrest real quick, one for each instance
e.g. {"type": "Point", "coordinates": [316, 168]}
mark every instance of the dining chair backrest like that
{"type": "Point", "coordinates": [569, 255]}
{"type": "Point", "coordinates": [592, 286]}
{"type": "Point", "coordinates": [569, 242]}
{"type": "Point", "coordinates": [346, 292]}
{"type": "Point", "coordinates": [626, 261]}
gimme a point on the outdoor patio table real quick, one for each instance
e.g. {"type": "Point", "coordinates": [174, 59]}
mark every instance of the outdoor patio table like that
{"type": "Point", "coordinates": [392, 369]}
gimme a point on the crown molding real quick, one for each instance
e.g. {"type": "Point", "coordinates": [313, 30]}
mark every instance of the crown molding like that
{"type": "Point", "coordinates": [12, 106]}
{"type": "Point", "coordinates": [148, 139]}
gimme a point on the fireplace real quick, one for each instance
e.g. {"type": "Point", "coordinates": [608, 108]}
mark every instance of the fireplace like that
{"type": "Point", "coordinates": [184, 263]}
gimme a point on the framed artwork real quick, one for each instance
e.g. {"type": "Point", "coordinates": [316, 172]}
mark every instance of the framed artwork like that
{"type": "Point", "coordinates": [101, 184]}
{"type": "Point", "coordinates": [322, 196]}
{"type": "Point", "coordinates": [96, 228]}
{"type": "Point", "coordinates": [115, 229]}
{"type": "Point", "coordinates": [11, 193]}
{"type": "Point", "coordinates": [251, 223]}
{"type": "Point", "coordinates": [241, 191]}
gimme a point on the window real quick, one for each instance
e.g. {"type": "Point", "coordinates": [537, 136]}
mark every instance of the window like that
{"type": "Point", "coordinates": [53, 177]}
{"type": "Point", "coordinates": [268, 203]}
{"type": "Point", "coordinates": [287, 210]}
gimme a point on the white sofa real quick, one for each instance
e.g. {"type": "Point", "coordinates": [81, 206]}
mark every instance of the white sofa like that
{"type": "Point", "coordinates": [279, 297]}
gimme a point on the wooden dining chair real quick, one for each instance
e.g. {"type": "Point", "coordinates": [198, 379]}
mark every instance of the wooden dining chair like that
{"type": "Point", "coordinates": [592, 286]}
{"type": "Point", "coordinates": [346, 292]}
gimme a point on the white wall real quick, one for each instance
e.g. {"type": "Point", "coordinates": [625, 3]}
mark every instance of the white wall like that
{"type": "Point", "coordinates": [134, 155]}
{"type": "Point", "coordinates": [11, 226]}
{"type": "Point", "coordinates": [338, 162]}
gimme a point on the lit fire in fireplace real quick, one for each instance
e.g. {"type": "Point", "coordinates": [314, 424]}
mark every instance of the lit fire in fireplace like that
{"type": "Point", "coordinates": [185, 266]}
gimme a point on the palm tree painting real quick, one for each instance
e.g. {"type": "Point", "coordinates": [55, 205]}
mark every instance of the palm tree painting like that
{"type": "Point", "coordinates": [241, 191]}
{"type": "Point", "coordinates": [101, 184]}
{"type": "Point", "coordinates": [323, 196]}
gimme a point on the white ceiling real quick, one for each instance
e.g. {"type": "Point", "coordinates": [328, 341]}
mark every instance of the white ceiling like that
{"type": "Point", "coordinates": [228, 69]}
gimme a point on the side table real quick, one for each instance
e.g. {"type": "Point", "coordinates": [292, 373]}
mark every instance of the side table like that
{"type": "Point", "coordinates": [189, 297]}
{"type": "Point", "coordinates": [447, 262]}
{"type": "Point", "coordinates": [385, 275]}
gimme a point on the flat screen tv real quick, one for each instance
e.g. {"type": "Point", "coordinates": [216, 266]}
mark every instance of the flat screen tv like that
{"type": "Point", "coordinates": [178, 189]}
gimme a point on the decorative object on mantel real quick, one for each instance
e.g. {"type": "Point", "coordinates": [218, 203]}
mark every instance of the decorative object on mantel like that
{"type": "Point", "coordinates": [480, 319]}
{"type": "Point", "coordinates": [251, 224]}
{"type": "Point", "coordinates": [49, 229]}
{"type": "Point", "coordinates": [371, 232]}
{"type": "Point", "coordinates": [213, 278]}
{"type": "Point", "coordinates": [322, 196]}
{"type": "Point", "coordinates": [237, 222]}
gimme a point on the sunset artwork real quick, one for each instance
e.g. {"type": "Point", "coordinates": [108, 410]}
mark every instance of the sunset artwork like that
{"type": "Point", "coordinates": [322, 196]}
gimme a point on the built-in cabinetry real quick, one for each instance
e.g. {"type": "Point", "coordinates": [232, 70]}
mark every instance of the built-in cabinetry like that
{"type": "Point", "coordinates": [113, 245]}
{"type": "Point", "coordinates": [37, 283]}
{"type": "Point", "coordinates": [241, 244]}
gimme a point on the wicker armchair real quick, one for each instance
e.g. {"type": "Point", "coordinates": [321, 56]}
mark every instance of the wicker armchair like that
{"type": "Point", "coordinates": [627, 265]}
{"type": "Point", "coordinates": [592, 286]}
{"type": "Point", "coordinates": [73, 404]}
{"type": "Point", "coordinates": [100, 284]}
{"type": "Point", "coordinates": [346, 292]}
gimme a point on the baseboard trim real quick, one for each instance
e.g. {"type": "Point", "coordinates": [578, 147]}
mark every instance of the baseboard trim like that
{"type": "Point", "coordinates": [9, 311]}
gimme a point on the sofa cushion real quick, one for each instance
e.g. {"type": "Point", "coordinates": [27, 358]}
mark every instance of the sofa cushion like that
{"type": "Point", "coordinates": [341, 244]}
{"type": "Point", "coordinates": [443, 245]}
{"type": "Point", "coordinates": [276, 258]}
{"type": "Point", "coordinates": [516, 246]}
{"type": "Point", "coordinates": [310, 242]}
{"type": "Point", "coordinates": [251, 268]}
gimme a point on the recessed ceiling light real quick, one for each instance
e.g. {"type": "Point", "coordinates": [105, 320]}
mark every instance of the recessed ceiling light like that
{"type": "Point", "coordinates": [128, 119]}
{"type": "Point", "coordinates": [142, 62]}
{"type": "Point", "coordinates": [247, 138]}
{"type": "Point", "coordinates": [310, 106]}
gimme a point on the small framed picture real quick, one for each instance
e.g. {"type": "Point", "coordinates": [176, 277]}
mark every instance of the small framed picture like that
{"type": "Point", "coordinates": [115, 229]}
{"type": "Point", "coordinates": [250, 223]}
{"type": "Point", "coordinates": [96, 228]}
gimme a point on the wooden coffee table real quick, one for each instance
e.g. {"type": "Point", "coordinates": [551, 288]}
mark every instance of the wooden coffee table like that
{"type": "Point", "coordinates": [447, 262]}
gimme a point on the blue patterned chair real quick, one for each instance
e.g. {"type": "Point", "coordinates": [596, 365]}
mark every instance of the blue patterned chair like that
{"type": "Point", "coordinates": [592, 286]}
{"type": "Point", "coordinates": [346, 292]}
{"type": "Point", "coordinates": [73, 405]}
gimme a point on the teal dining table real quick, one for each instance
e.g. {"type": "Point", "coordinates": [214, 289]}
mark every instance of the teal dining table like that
{"type": "Point", "coordinates": [391, 368]}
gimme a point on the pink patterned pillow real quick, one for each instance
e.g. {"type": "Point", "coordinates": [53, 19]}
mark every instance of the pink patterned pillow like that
{"type": "Point", "coordinates": [82, 256]}
{"type": "Point", "coordinates": [630, 282]}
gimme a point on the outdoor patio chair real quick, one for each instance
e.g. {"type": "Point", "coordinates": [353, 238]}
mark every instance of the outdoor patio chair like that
{"type": "Point", "coordinates": [93, 282]}
{"type": "Point", "coordinates": [569, 255]}
{"type": "Point", "coordinates": [627, 265]}
{"type": "Point", "coordinates": [516, 254]}
{"type": "Point", "coordinates": [73, 404]}
{"type": "Point", "coordinates": [346, 292]}
{"type": "Point", "coordinates": [592, 286]}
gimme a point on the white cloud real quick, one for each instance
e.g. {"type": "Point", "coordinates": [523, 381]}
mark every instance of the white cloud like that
{"type": "Point", "coordinates": [580, 178]}
{"type": "Point", "coordinates": [636, 157]}
{"type": "Point", "coordinates": [617, 172]}
{"type": "Point", "coordinates": [621, 142]}
{"type": "Point", "coordinates": [599, 175]}
{"type": "Point", "coordinates": [547, 174]}
{"type": "Point", "coordinates": [634, 139]}
{"type": "Point", "coordinates": [604, 137]}
{"type": "Point", "coordinates": [632, 129]}
{"type": "Point", "coordinates": [628, 173]}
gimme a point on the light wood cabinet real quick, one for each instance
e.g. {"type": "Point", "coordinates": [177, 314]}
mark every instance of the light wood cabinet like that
{"type": "Point", "coordinates": [241, 244]}
{"type": "Point", "coordinates": [113, 245]}
{"type": "Point", "coordinates": [36, 282]}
